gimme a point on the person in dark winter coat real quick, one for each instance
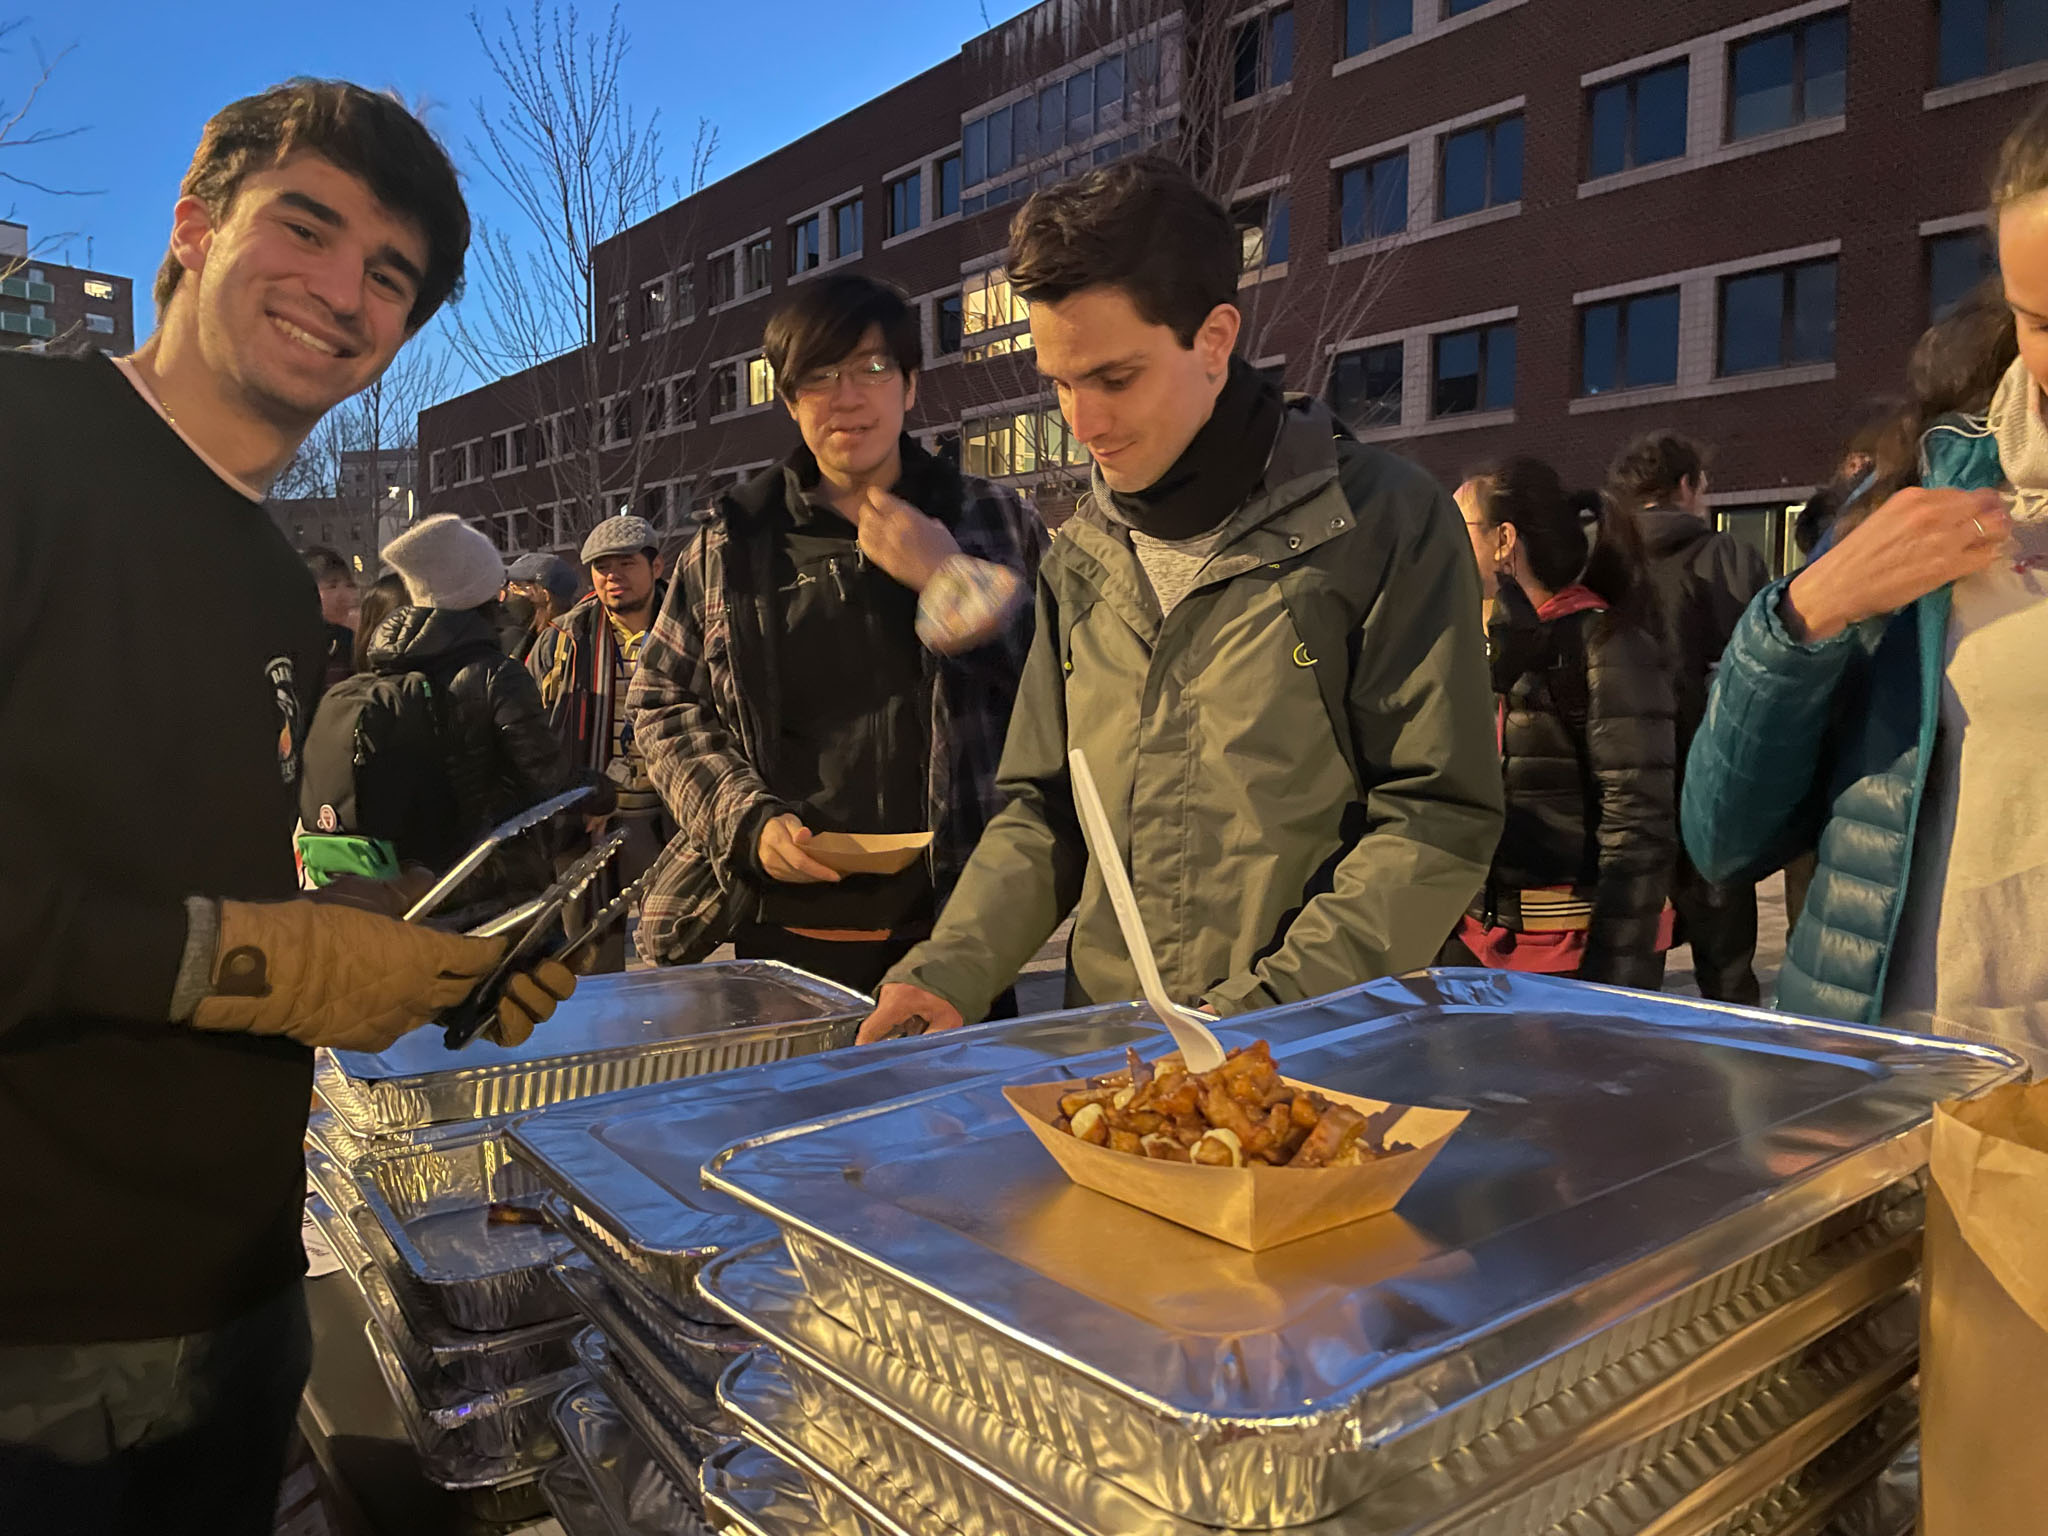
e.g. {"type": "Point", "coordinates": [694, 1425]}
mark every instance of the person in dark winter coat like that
{"type": "Point", "coordinates": [501, 755]}
{"type": "Point", "coordinates": [1579, 881]}
{"type": "Point", "coordinates": [1702, 581]}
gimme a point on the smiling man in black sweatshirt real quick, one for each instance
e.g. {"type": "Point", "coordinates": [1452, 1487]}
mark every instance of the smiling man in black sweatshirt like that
{"type": "Point", "coordinates": [161, 981]}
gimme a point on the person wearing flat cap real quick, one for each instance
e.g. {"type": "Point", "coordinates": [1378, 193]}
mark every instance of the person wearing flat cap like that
{"type": "Point", "coordinates": [584, 663]}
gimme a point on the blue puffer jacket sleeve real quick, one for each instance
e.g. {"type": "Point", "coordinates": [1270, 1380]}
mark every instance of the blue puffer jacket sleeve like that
{"type": "Point", "coordinates": [1748, 802]}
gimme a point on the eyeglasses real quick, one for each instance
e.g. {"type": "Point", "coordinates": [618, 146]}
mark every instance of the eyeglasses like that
{"type": "Point", "coordinates": [869, 372]}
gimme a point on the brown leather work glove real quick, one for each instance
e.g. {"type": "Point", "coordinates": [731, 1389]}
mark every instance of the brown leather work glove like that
{"type": "Point", "coordinates": [530, 998]}
{"type": "Point", "coordinates": [330, 974]}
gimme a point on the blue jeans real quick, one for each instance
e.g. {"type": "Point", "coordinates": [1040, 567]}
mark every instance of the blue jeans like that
{"type": "Point", "coordinates": [155, 1437]}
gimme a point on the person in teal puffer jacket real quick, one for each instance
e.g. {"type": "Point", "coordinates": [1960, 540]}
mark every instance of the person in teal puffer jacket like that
{"type": "Point", "coordinates": [1890, 699]}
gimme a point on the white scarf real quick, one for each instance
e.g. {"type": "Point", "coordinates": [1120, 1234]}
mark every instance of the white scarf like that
{"type": "Point", "coordinates": [2022, 436]}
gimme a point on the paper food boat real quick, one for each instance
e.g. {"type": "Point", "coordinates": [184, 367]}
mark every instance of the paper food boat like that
{"type": "Point", "coordinates": [868, 853]}
{"type": "Point", "coordinates": [1253, 1207]}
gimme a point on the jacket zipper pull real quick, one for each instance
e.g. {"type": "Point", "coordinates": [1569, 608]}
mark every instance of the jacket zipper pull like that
{"type": "Point", "coordinates": [838, 580]}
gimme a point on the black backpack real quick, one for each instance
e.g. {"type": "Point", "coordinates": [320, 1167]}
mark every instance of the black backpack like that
{"type": "Point", "coordinates": [376, 766]}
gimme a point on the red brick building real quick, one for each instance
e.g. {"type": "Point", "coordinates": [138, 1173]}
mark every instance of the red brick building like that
{"type": "Point", "coordinates": [46, 305]}
{"type": "Point", "coordinates": [1476, 226]}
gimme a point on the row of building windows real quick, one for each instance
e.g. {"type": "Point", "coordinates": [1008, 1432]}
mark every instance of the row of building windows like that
{"type": "Point", "coordinates": [1972, 38]}
{"type": "Point", "coordinates": [1068, 114]}
{"type": "Point", "coordinates": [1774, 318]}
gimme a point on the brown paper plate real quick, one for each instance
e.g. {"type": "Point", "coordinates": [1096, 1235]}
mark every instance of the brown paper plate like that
{"type": "Point", "coordinates": [868, 853]}
{"type": "Point", "coordinates": [1254, 1207]}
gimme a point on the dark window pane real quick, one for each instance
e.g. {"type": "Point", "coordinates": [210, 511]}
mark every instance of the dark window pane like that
{"type": "Point", "coordinates": [1813, 313]}
{"type": "Point", "coordinates": [1599, 348]}
{"type": "Point", "coordinates": [974, 151]}
{"type": "Point", "coordinates": [948, 324]}
{"type": "Point", "coordinates": [1652, 356]}
{"type": "Point", "coordinates": [1963, 40]}
{"type": "Point", "coordinates": [1365, 387]}
{"type": "Point", "coordinates": [999, 159]}
{"type": "Point", "coordinates": [1244, 62]}
{"type": "Point", "coordinates": [1024, 130]}
{"type": "Point", "coordinates": [1660, 114]}
{"type": "Point", "coordinates": [1081, 107]}
{"type": "Point", "coordinates": [1463, 188]}
{"type": "Point", "coordinates": [1109, 93]}
{"type": "Point", "coordinates": [1351, 205]}
{"type": "Point", "coordinates": [949, 186]}
{"type": "Point", "coordinates": [1760, 91]}
{"type": "Point", "coordinates": [1607, 129]}
{"type": "Point", "coordinates": [1389, 194]}
{"type": "Point", "coordinates": [1752, 321]}
{"type": "Point", "coordinates": [1824, 65]}
{"type": "Point", "coordinates": [1052, 117]}
{"type": "Point", "coordinates": [1507, 161]}
{"type": "Point", "coordinates": [849, 231]}
{"type": "Point", "coordinates": [1457, 374]}
{"type": "Point", "coordinates": [1955, 264]}
{"type": "Point", "coordinates": [1460, 7]}
{"type": "Point", "coordinates": [1369, 23]}
{"type": "Point", "coordinates": [1500, 367]}
{"type": "Point", "coordinates": [1280, 47]}
{"type": "Point", "coordinates": [2023, 33]}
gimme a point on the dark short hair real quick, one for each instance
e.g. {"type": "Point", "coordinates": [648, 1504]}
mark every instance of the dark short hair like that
{"type": "Point", "coordinates": [372, 136]}
{"type": "Point", "coordinates": [327, 565]}
{"type": "Point", "coordinates": [826, 320]}
{"type": "Point", "coordinates": [1140, 225]}
{"type": "Point", "coordinates": [1655, 467]}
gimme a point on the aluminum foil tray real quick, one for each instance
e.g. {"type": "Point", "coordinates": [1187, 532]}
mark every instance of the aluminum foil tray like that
{"type": "Point", "coordinates": [756, 1493]}
{"type": "Point", "coordinates": [849, 1499]}
{"type": "Point", "coordinates": [700, 1352]}
{"type": "Point", "coordinates": [679, 1445]}
{"type": "Point", "coordinates": [1849, 1489]}
{"type": "Point", "coordinates": [630, 1168]}
{"type": "Point", "coordinates": [489, 1440]}
{"type": "Point", "coordinates": [977, 1473]}
{"type": "Point", "coordinates": [689, 1404]}
{"type": "Point", "coordinates": [433, 1206]}
{"type": "Point", "coordinates": [974, 1472]}
{"type": "Point", "coordinates": [572, 1503]}
{"type": "Point", "coordinates": [630, 1492]}
{"type": "Point", "coordinates": [446, 1364]}
{"type": "Point", "coordinates": [619, 1031]}
{"type": "Point", "coordinates": [1632, 1162]}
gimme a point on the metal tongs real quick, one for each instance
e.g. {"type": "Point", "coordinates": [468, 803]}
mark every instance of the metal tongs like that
{"type": "Point", "coordinates": [461, 1023]}
{"type": "Point", "coordinates": [473, 860]}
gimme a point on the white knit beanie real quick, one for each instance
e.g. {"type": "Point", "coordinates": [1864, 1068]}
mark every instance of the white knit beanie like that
{"type": "Point", "coordinates": [446, 564]}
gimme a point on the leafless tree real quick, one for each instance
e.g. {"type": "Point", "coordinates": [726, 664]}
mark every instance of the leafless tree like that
{"type": "Point", "coordinates": [549, 315]}
{"type": "Point", "coordinates": [20, 139]}
{"type": "Point", "coordinates": [382, 422]}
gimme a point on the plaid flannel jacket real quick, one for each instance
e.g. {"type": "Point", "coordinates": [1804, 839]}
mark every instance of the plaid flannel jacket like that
{"type": "Point", "coordinates": [705, 701]}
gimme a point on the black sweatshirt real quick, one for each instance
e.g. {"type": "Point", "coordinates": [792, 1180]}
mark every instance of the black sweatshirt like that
{"type": "Point", "coordinates": [161, 649]}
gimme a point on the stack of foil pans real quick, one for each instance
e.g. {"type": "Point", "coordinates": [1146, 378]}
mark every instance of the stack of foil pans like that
{"type": "Point", "coordinates": [442, 1230]}
{"type": "Point", "coordinates": [625, 1181]}
{"type": "Point", "coordinates": [1661, 1283]}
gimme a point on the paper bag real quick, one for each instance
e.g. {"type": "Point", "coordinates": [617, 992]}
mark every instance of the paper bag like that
{"type": "Point", "coordinates": [868, 853]}
{"type": "Point", "coordinates": [1253, 1207]}
{"type": "Point", "coordinates": [1984, 1318]}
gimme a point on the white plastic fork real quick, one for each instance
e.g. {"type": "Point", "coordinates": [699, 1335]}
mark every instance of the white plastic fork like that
{"type": "Point", "coordinates": [1199, 1047]}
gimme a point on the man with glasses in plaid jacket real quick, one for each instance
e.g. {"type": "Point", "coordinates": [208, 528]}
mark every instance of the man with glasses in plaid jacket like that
{"type": "Point", "coordinates": [837, 652]}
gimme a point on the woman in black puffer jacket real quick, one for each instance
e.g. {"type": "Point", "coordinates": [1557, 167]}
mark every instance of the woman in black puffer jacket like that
{"type": "Point", "coordinates": [1581, 875]}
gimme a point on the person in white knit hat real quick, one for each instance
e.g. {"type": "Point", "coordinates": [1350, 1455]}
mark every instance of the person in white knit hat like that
{"type": "Point", "coordinates": [471, 746]}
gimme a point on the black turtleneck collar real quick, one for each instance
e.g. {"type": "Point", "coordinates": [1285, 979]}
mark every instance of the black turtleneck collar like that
{"type": "Point", "coordinates": [1219, 470]}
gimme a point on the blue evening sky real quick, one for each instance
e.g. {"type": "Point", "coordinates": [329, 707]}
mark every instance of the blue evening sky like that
{"type": "Point", "coordinates": [141, 78]}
